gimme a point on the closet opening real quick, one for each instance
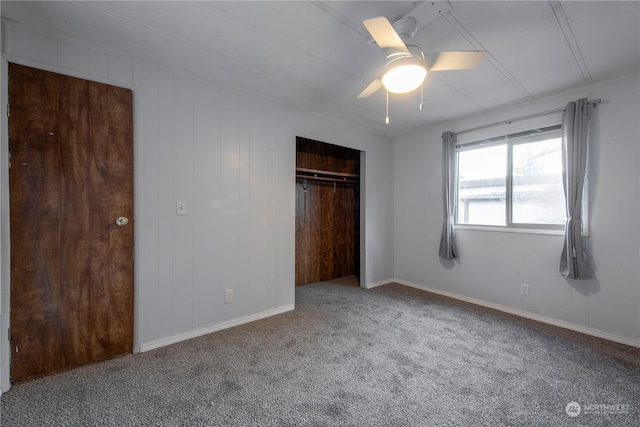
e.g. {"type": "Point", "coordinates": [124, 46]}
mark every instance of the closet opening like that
{"type": "Point", "coordinates": [327, 213]}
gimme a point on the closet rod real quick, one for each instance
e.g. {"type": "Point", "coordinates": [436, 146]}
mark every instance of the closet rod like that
{"type": "Point", "coordinates": [330, 173]}
{"type": "Point", "coordinates": [529, 116]}
{"type": "Point", "coordinates": [322, 178]}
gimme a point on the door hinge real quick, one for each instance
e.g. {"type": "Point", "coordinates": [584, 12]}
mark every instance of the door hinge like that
{"type": "Point", "coordinates": [11, 339]}
{"type": "Point", "coordinates": [8, 109]}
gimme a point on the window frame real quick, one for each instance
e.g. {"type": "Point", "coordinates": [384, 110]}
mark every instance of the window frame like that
{"type": "Point", "coordinates": [510, 140]}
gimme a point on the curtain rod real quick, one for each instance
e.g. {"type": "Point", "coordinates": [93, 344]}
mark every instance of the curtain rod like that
{"type": "Point", "coordinates": [529, 116]}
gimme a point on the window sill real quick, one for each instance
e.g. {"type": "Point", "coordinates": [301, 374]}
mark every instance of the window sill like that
{"type": "Point", "coordinates": [510, 229]}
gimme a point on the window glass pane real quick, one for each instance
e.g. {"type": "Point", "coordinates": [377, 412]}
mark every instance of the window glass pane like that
{"type": "Point", "coordinates": [482, 185]}
{"type": "Point", "coordinates": [538, 196]}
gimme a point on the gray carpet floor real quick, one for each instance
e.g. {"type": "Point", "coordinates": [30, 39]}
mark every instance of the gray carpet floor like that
{"type": "Point", "coordinates": [391, 356]}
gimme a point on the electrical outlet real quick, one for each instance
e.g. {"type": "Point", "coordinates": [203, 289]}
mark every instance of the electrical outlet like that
{"type": "Point", "coordinates": [524, 289]}
{"type": "Point", "coordinates": [228, 296]}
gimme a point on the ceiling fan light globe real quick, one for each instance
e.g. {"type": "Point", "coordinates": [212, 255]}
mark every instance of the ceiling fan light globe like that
{"type": "Point", "coordinates": [404, 78]}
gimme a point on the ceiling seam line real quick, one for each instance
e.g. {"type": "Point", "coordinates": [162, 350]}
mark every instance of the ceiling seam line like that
{"type": "Point", "coordinates": [457, 92]}
{"type": "Point", "coordinates": [567, 32]}
{"type": "Point", "coordinates": [457, 25]}
{"type": "Point", "coordinates": [340, 18]}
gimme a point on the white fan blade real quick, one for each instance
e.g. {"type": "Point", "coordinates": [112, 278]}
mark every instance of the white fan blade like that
{"type": "Point", "coordinates": [371, 89]}
{"type": "Point", "coordinates": [453, 60]}
{"type": "Point", "coordinates": [384, 34]}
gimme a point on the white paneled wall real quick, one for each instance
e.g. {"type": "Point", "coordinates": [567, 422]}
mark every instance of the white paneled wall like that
{"type": "Point", "coordinates": [31, 47]}
{"type": "Point", "coordinates": [493, 264]}
{"type": "Point", "coordinates": [230, 157]}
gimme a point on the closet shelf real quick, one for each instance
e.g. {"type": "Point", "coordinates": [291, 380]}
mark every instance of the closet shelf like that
{"type": "Point", "coordinates": [323, 175]}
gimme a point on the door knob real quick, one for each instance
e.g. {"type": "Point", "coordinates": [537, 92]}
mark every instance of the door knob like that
{"type": "Point", "coordinates": [122, 221]}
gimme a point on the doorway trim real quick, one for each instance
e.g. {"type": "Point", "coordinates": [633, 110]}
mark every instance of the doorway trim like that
{"type": "Point", "coordinates": [363, 219]}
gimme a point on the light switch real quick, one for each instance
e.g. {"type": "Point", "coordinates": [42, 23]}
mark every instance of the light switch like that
{"type": "Point", "coordinates": [181, 208]}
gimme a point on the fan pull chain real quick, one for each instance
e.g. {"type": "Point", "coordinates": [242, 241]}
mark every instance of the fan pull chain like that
{"type": "Point", "coordinates": [421, 95]}
{"type": "Point", "coordinates": [386, 120]}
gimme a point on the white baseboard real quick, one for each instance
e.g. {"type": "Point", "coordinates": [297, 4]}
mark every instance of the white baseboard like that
{"type": "Point", "coordinates": [525, 314]}
{"type": "Point", "coordinates": [376, 284]}
{"type": "Point", "coordinates": [213, 328]}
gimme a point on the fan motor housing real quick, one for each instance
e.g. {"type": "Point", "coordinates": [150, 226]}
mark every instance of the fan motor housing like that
{"type": "Point", "coordinates": [406, 27]}
{"type": "Point", "coordinates": [415, 53]}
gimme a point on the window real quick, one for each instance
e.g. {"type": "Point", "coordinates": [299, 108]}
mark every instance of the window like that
{"type": "Point", "coordinates": [512, 181]}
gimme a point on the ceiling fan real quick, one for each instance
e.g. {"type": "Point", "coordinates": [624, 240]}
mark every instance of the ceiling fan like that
{"type": "Point", "coordinates": [406, 66]}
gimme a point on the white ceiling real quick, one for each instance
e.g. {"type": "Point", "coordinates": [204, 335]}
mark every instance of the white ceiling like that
{"type": "Point", "coordinates": [318, 56]}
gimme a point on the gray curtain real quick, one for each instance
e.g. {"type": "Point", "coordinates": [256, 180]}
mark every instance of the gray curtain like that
{"type": "Point", "coordinates": [574, 263]}
{"type": "Point", "coordinates": [448, 248]}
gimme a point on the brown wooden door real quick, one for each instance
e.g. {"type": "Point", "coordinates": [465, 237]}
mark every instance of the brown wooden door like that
{"type": "Point", "coordinates": [71, 176]}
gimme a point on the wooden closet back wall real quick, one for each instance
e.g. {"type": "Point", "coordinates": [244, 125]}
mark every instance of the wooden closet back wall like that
{"type": "Point", "coordinates": [327, 214]}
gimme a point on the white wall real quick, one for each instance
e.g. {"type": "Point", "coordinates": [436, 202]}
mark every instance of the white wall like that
{"type": "Point", "coordinates": [230, 156]}
{"type": "Point", "coordinates": [493, 264]}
